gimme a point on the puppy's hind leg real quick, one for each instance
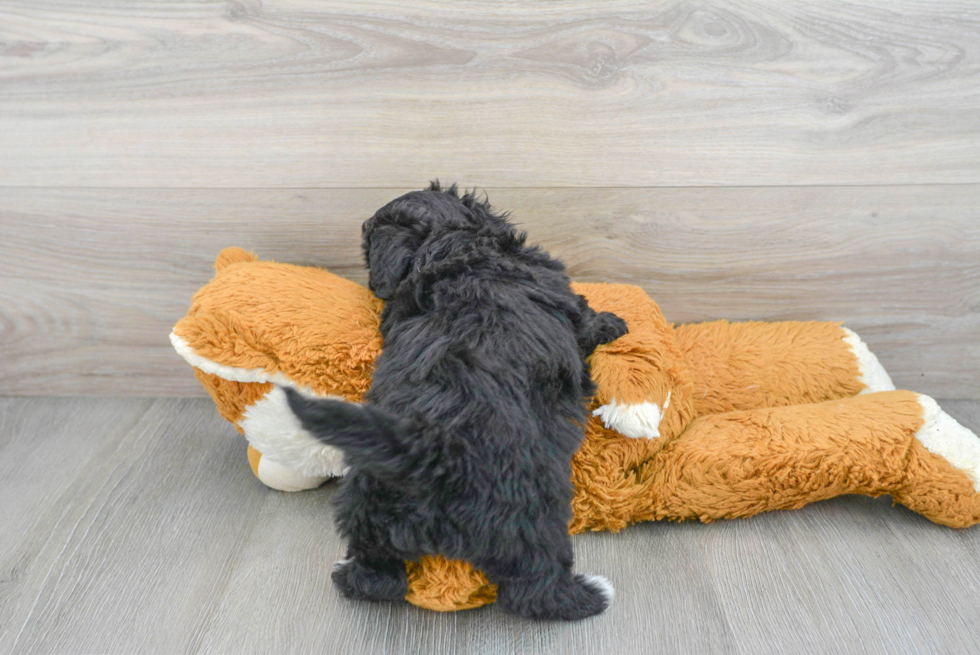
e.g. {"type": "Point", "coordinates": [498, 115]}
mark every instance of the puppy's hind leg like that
{"type": "Point", "coordinates": [373, 570]}
{"type": "Point", "coordinates": [376, 579]}
{"type": "Point", "coordinates": [559, 594]}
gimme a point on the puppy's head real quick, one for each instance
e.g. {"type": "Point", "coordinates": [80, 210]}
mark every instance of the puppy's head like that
{"type": "Point", "coordinates": [394, 235]}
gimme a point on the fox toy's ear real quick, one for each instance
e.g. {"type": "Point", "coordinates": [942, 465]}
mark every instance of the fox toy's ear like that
{"type": "Point", "coordinates": [230, 256]}
{"type": "Point", "coordinates": [390, 251]}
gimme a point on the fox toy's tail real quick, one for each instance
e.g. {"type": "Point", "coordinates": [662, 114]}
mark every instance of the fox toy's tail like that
{"type": "Point", "coordinates": [389, 446]}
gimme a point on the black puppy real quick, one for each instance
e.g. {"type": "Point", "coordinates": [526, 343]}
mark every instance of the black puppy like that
{"type": "Point", "coordinates": [477, 405]}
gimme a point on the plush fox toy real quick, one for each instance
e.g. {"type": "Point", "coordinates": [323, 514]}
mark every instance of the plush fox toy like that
{"type": "Point", "coordinates": [706, 421]}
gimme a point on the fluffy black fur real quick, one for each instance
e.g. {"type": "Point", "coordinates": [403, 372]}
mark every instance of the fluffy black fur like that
{"type": "Point", "coordinates": [464, 447]}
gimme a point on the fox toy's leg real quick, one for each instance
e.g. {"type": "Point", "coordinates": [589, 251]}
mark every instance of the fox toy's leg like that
{"type": "Point", "coordinates": [654, 380]}
{"type": "Point", "coordinates": [742, 463]}
{"type": "Point", "coordinates": [746, 462]}
{"type": "Point", "coordinates": [942, 479]}
{"type": "Point", "coordinates": [278, 477]}
{"type": "Point", "coordinates": [283, 454]}
{"type": "Point", "coordinates": [738, 366]}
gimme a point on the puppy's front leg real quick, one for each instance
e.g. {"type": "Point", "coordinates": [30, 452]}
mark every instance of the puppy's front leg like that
{"type": "Point", "coordinates": [599, 328]}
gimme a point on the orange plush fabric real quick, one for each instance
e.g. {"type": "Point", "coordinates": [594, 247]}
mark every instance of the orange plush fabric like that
{"type": "Point", "coordinates": [752, 364]}
{"type": "Point", "coordinates": [315, 328]}
{"type": "Point", "coordinates": [733, 418]}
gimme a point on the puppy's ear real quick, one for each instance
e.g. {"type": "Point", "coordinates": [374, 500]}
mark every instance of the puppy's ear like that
{"type": "Point", "coordinates": [390, 253]}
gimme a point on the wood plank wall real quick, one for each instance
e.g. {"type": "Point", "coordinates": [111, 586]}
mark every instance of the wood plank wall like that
{"type": "Point", "coordinates": [750, 160]}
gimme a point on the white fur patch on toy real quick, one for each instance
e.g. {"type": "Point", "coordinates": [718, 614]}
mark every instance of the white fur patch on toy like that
{"type": "Point", "coordinates": [277, 476]}
{"type": "Point", "coordinates": [872, 374]}
{"type": "Point", "coordinates": [942, 435]}
{"type": "Point", "coordinates": [273, 430]}
{"type": "Point", "coordinates": [231, 373]}
{"type": "Point", "coordinates": [637, 421]}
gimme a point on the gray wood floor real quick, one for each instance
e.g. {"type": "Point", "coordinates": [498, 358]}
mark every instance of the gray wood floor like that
{"type": "Point", "coordinates": [135, 525]}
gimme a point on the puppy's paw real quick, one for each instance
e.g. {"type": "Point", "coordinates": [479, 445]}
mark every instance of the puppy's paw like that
{"type": "Point", "coordinates": [610, 327]}
{"type": "Point", "coordinates": [570, 598]}
{"type": "Point", "coordinates": [602, 585]}
{"type": "Point", "coordinates": [360, 582]}
{"type": "Point", "coordinates": [604, 327]}
{"type": "Point", "coordinates": [584, 596]}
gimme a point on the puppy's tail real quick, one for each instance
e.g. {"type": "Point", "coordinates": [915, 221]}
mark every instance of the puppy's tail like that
{"type": "Point", "coordinates": [391, 447]}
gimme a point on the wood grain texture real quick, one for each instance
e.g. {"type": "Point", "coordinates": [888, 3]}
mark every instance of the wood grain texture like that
{"type": "Point", "coordinates": [93, 280]}
{"type": "Point", "coordinates": [133, 547]}
{"type": "Point", "coordinates": [136, 525]}
{"type": "Point", "coordinates": [304, 93]}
